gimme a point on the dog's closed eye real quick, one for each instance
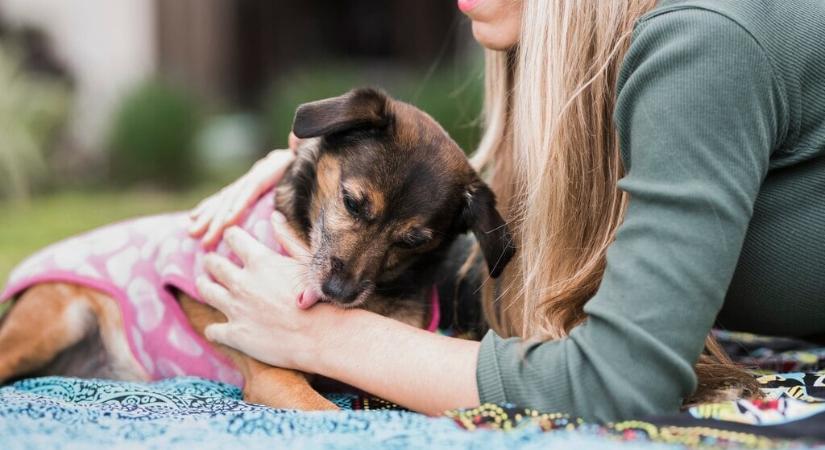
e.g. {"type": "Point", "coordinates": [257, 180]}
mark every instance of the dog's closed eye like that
{"type": "Point", "coordinates": [414, 239]}
{"type": "Point", "coordinates": [355, 207]}
{"type": "Point", "coordinates": [361, 200]}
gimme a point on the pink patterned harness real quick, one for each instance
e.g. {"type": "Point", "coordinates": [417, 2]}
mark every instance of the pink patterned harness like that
{"type": "Point", "coordinates": [140, 263]}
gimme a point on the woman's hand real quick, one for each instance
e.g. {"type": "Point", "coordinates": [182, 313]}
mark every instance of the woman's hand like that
{"type": "Point", "coordinates": [261, 300]}
{"type": "Point", "coordinates": [225, 208]}
{"type": "Point", "coordinates": [422, 371]}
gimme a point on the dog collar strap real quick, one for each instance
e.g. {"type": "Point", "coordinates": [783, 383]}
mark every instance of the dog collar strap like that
{"type": "Point", "coordinates": [435, 307]}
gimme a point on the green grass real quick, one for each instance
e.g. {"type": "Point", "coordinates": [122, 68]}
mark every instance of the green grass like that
{"type": "Point", "coordinates": [26, 228]}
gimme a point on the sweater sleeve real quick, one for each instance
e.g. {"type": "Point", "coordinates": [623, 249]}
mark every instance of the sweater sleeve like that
{"type": "Point", "coordinates": [698, 113]}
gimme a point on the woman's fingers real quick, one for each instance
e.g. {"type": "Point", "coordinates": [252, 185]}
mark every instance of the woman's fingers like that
{"type": "Point", "coordinates": [279, 161]}
{"type": "Point", "coordinates": [218, 221]}
{"type": "Point", "coordinates": [247, 194]}
{"type": "Point", "coordinates": [215, 231]}
{"type": "Point", "coordinates": [214, 294]}
{"type": "Point", "coordinates": [206, 211]}
{"type": "Point", "coordinates": [219, 332]}
{"type": "Point", "coordinates": [198, 209]}
{"type": "Point", "coordinates": [246, 247]}
{"type": "Point", "coordinates": [288, 241]}
{"type": "Point", "coordinates": [213, 215]}
{"type": "Point", "coordinates": [222, 270]}
{"type": "Point", "coordinates": [293, 141]}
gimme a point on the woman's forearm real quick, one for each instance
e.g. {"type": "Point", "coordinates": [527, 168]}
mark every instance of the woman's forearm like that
{"type": "Point", "coordinates": [423, 371]}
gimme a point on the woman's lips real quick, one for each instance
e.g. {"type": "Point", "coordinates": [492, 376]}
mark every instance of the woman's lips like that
{"type": "Point", "coordinates": [467, 5]}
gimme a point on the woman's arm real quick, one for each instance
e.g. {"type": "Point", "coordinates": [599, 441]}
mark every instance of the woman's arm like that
{"type": "Point", "coordinates": [699, 113]}
{"type": "Point", "coordinates": [414, 368]}
{"type": "Point", "coordinates": [423, 371]}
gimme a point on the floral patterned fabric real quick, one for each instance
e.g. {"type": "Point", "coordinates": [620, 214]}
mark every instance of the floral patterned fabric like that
{"type": "Point", "coordinates": [141, 264]}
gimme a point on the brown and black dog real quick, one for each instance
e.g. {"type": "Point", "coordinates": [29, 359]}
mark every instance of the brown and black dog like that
{"type": "Point", "coordinates": [378, 192]}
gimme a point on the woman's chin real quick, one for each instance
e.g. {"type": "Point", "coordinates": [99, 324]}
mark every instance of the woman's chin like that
{"type": "Point", "coordinates": [492, 37]}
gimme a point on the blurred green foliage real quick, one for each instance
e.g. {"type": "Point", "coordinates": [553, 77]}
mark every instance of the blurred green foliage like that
{"type": "Point", "coordinates": [159, 134]}
{"type": "Point", "coordinates": [152, 141]}
{"type": "Point", "coordinates": [152, 137]}
{"type": "Point", "coordinates": [32, 108]}
{"type": "Point", "coordinates": [452, 96]}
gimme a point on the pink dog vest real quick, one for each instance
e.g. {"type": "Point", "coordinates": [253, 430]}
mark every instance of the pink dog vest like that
{"type": "Point", "coordinates": [140, 263]}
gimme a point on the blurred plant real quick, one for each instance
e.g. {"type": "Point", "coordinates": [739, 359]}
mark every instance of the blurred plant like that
{"type": "Point", "coordinates": [152, 136]}
{"type": "Point", "coordinates": [32, 108]}
{"type": "Point", "coordinates": [452, 97]}
{"type": "Point", "coordinates": [227, 144]}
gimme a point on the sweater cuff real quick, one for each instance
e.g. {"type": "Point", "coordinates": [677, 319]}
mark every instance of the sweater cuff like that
{"type": "Point", "coordinates": [488, 375]}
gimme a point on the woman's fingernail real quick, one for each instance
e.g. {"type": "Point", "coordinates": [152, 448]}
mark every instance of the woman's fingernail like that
{"type": "Point", "coordinates": [278, 217]}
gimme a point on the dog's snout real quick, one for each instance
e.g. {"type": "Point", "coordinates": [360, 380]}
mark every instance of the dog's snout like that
{"type": "Point", "coordinates": [341, 288]}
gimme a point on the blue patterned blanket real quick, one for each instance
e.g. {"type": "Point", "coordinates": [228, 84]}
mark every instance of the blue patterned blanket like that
{"type": "Point", "coordinates": [187, 413]}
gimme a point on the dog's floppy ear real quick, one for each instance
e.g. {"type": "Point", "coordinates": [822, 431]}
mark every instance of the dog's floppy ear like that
{"type": "Point", "coordinates": [359, 108]}
{"type": "Point", "coordinates": [489, 228]}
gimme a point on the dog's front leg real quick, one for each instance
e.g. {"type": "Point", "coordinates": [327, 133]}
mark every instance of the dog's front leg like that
{"type": "Point", "coordinates": [281, 388]}
{"type": "Point", "coordinates": [263, 384]}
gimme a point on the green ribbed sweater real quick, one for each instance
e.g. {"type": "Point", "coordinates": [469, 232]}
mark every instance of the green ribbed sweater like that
{"type": "Point", "coordinates": [721, 115]}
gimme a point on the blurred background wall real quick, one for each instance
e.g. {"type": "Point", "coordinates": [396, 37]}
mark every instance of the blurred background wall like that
{"type": "Point", "coordinates": [112, 109]}
{"type": "Point", "coordinates": [105, 47]}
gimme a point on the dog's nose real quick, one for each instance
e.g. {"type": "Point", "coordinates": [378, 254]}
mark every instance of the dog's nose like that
{"type": "Point", "coordinates": [340, 288]}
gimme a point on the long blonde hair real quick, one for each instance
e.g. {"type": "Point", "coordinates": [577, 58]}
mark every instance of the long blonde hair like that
{"type": "Point", "coordinates": [563, 160]}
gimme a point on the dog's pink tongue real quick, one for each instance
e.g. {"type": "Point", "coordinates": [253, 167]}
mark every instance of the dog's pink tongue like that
{"type": "Point", "coordinates": [308, 298]}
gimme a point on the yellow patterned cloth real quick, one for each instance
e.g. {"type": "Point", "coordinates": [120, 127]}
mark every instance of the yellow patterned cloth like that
{"type": "Point", "coordinates": [791, 414]}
